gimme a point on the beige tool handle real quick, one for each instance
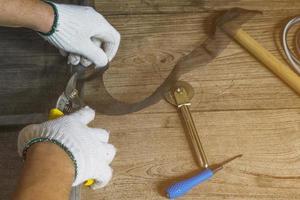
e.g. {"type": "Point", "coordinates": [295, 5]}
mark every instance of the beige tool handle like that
{"type": "Point", "coordinates": [193, 133]}
{"type": "Point", "coordinates": [276, 66]}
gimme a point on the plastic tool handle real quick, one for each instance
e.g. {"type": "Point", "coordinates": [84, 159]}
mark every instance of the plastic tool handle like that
{"type": "Point", "coordinates": [55, 113]}
{"type": "Point", "coordinates": [181, 188]}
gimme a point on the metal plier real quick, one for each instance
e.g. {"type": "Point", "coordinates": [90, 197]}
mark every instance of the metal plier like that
{"type": "Point", "coordinates": [69, 101]}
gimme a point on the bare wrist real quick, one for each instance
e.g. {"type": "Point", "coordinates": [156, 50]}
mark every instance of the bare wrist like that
{"type": "Point", "coordinates": [48, 172]}
{"type": "Point", "coordinates": [49, 152]}
{"type": "Point", "coordinates": [44, 17]}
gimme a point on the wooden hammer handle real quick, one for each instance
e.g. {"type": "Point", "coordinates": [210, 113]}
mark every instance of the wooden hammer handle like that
{"type": "Point", "coordinates": [283, 71]}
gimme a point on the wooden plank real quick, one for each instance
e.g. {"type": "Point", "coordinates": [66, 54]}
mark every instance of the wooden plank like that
{"type": "Point", "coordinates": [153, 151]}
{"type": "Point", "coordinates": [118, 7]}
{"type": "Point", "coordinates": [148, 151]}
{"type": "Point", "coordinates": [33, 74]}
{"type": "Point", "coordinates": [239, 107]}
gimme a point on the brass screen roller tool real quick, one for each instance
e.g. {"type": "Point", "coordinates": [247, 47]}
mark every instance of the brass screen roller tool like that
{"type": "Point", "coordinates": [180, 96]}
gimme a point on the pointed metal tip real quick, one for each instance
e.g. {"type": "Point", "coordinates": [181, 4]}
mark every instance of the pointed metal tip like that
{"type": "Point", "coordinates": [218, 167]}
{"type": "Point", "coordinates": [231, 159]}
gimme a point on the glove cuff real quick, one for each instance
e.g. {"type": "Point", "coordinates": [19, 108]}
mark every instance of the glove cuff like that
{"type": "Point", "coordinates": [55, 22]}
{"type": "Point", "coordinates": [53, 132]}
{"type": "Point", "coordinates": [87, 147]}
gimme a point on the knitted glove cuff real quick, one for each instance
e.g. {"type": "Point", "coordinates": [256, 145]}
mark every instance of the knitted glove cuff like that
{"type": "Point", "coordinates": [55, 22]}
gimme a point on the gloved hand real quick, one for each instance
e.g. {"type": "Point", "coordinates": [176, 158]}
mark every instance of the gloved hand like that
{"type": "Point", "coordinates": [84, 33]}
{"type": "Point", "coordinates": [87, 147]}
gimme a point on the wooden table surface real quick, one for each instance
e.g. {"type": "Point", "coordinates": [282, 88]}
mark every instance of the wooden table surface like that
{"type": "Point", "coordinates": [239, 107]}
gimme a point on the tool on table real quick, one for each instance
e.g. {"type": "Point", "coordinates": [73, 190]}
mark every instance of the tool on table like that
{"type": "Point", "coordinates": [180, 95]}
{"type": "Point", "coordinates": [181, 188]}
{"type": "Point", "coordinates": [279, 68]}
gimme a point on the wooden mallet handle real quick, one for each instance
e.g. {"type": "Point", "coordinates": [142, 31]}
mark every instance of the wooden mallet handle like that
{"type": "Point", "coordinates": [282, 70]}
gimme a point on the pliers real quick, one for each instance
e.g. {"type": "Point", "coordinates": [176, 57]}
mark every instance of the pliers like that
{"type": "Point", "coordinates": [69, 101]}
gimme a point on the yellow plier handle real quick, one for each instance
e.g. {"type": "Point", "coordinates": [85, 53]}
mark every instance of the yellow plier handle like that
{"type": "Point", "coordinates": [55, 113]}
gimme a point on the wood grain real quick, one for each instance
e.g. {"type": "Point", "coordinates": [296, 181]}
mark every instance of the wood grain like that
{"type": "Point", "coordinates": [118, 7]}
{"type": "Point", "coordinates": [153, 151]}
{"type": "Point", "coordinates": [152, 44]}
{"type": "Point", "coordinates": [239, 107]}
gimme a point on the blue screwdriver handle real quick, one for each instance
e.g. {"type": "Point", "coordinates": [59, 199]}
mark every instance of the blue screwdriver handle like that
{"type": "Point", "coordinates": [181, 188]}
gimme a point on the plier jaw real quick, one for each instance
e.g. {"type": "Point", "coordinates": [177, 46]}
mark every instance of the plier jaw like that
{"type": "Point", "coordinates": [69, 101]}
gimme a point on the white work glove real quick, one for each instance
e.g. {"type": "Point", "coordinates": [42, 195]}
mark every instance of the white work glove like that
{"type": "Point", "coordinates": [84, 33]}
{"type": "Point", "coordinates": [87, 147]}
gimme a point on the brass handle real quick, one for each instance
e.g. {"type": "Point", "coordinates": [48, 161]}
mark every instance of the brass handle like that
{"type": "Point", "coordinates": [180, 96]}
{"type": "Point", "coordinates": [193, 133]}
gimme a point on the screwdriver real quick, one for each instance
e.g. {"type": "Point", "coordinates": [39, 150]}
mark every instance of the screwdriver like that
{"type": "Point", "coordinates": [181, 188]}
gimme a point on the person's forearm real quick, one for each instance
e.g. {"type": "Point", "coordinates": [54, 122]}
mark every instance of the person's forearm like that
{"type": "Point", "coordinates": [48, 174]}
{"type": "Point", "coordinates": [33, 14]}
